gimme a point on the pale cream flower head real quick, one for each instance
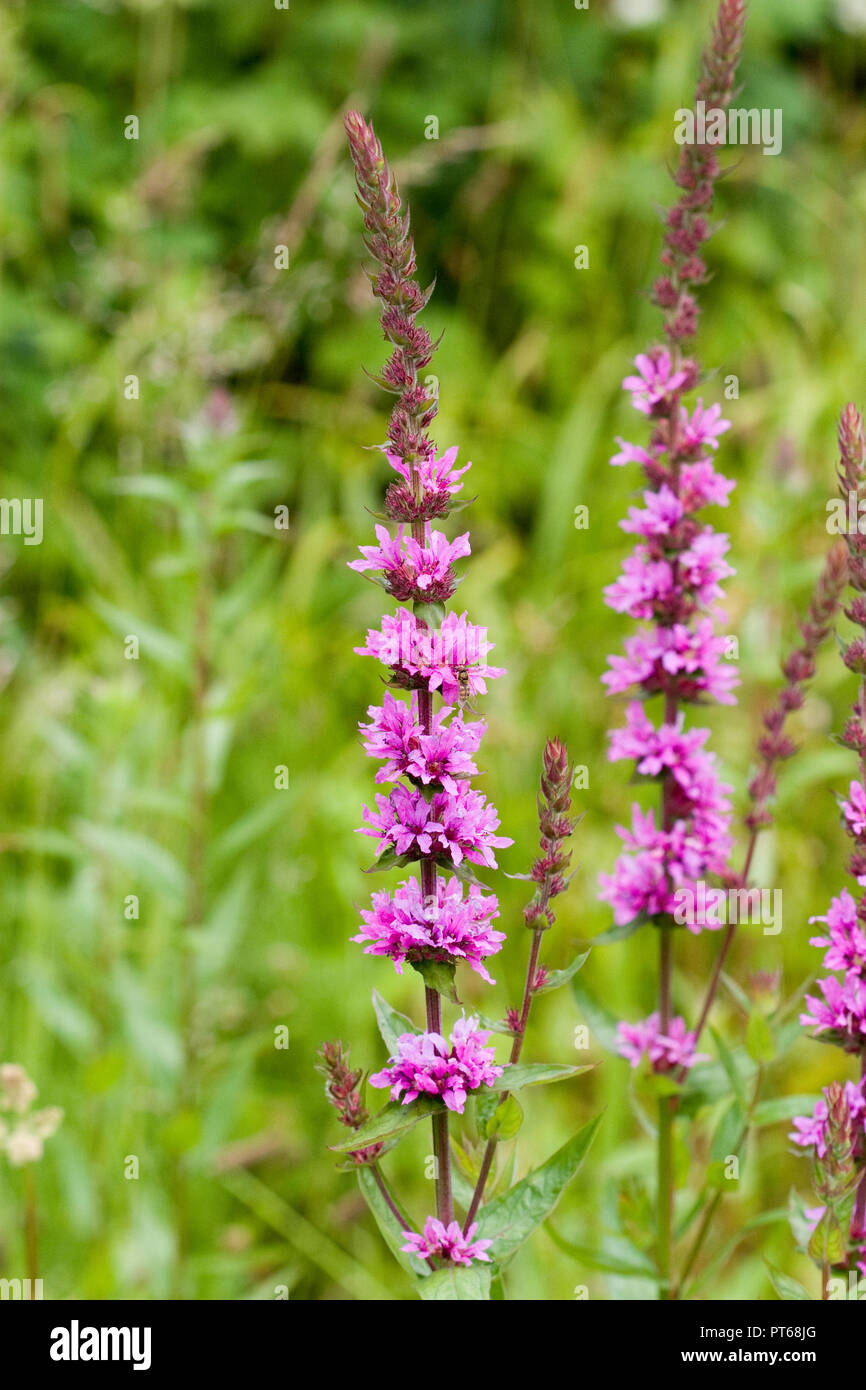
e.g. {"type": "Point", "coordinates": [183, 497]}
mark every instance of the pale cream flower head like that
{"type": "Point", "coordinates": [22, 1136]}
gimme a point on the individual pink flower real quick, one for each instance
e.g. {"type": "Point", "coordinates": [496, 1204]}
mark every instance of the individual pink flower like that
{"type": "Point", "coordinates": [455, 827]}
{"type": "Point", "coordinates": [655, 382]}
{"type": "Point", "coordinates": [440, 1242]}
{"type": "Point", "coordinates": [701, 486]}
{"type": "Point", "coordinates": [686, 663]}
{"type": "Point", "coordinates": [427, 487]}
{"type": "Point", "coordinates": [413, 571]}
{"type": "Point", "coordinates": [666, 1052]}
{"type": "Point", "coordinates": [633, 453]}
{"type": "Point", "coordinates": [854, 809]}
{"type": "Point", "coordinates": [442, 756]}
{"type": "Point", "coordinates": [841, 1014]}
{"type": "Point", "coordinates": [434, 657]}
{"type": "Point", "coordinates": [428, 1064]}
{"type": "Point", "coordinates": [660, 515]}
{"type": "Point", "coordinates": [453, 928]}
{"type": "Point", "coordinates": [846, 940]}
{"type": "Point", "coordinates": [702, 428]}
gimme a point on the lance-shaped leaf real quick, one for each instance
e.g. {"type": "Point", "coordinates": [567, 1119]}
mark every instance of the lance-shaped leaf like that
{"type": "Point", "coordinates": [397, 1118]}
{"type": "Point", "coordinates": [787, 1288]}
{"type": "Point", "coordinates": [391, 1023]}
{"type": "Point", "coordinates": [557, 978]}
{"type": "Point", "coordinates": [510, 1219]}
{"type": "Point", "coordinates": [394, 1119]}
{"type": "Point", "coordinates": [458, 1283]}
{"type": "Point", "coordinates": [601, 1021]}
{"type": "Point", "coordinates": [392, 1231]}
{"type": "Point", "coordinates": [505, 1121]}
{"type": "Point", "coordinates": [535, 1074]}
{"type": "Point", "coordinates": [620, 932]}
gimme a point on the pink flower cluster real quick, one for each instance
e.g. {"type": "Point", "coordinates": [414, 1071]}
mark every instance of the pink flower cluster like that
{"type": "Point", "coordinates": [413, 571]}
{"type": "Point", "coordinates": [423, 658]}
{"type": "Point", "coordinates": [666, 1052]}
{"type": "Point", "coordinates": [660, 863]}
{"type": "Point", "coordinates": [671, 581]}
{"type": "Point", "coordinates": [426, 487]}
{"type": "Point", "coordinates": [441, 1242]}
{"type": "Point", "coordinates": [428, 1064]}
{"type": "Point", "coordinates": [839, 1016]}
{"type": "Point", "coordinates": [810, 1131]}
{"type": "Point", "coordinates": [448, 828]}
{"type": "Point", "coordinates": [444, 755]}
{"type": "Point", "coordinates": [401, 925]}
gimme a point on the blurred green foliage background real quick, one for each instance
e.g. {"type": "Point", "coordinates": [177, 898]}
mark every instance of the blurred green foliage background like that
{"type": "Point", "coordinates": [155, 777]}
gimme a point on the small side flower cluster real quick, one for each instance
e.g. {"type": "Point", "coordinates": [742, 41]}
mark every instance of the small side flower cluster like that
{"type": "Point", "coordinates": [23, 1133]}
{"type": "Point", "coordinates": [673, 1050]}
{"type": "Point", "coordinates": [838, 1014]}
{"type": "Point", "coordinates": [673, 581]}
{"type": "Point", "coordinates": [428, 1064]}
{"type": "Point", "coordinates": [550, 870]}
{"type": "Point", "coordinates": [837, 1227]}
{"type": "Point", "coordinates": [343, 1090]}
{"type": "Point", "coordinates": [440, 1242]}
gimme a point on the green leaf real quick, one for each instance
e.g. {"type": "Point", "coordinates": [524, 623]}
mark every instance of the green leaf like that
{"type": "Point", "coordinates": [467, 1160]}
{"type": "Point", "coordinates": [438, 975]}
{"type": "Point", "coordinates": [392, 1231]}
{"type": "Point", "coordinates": [771, 1112]}
{"type": "Point", "coordinates": [764, 1218]}
{"type": "Point", "coordinates": [156, 487]}
{"type": "Point", "coordinates": [457, 1283]}
{"type": "Point", "coordinates": [535, 1074]}
{"type": "Point", "coordinates": [787, 1288]}
{"type": "Point", "coordinates": [391, 1023]}
{"type": "Point", "coordinates": [557, 978]}
{"type": "Point", "coordinates": [661, 1086]}
{"type": "Point", "coordinates": [155, 644]}
{"type": "Point", "coordinates": [601, 1021]}
{"type": "Point", "coordinates": [495, 1025]}
{"type": "Point", "coordinates": [505, 1121]}
{"type": "Point", "coordinates": [612, 1254]}
{"type": "Point", "coordinates": [388, 859]}
{"type": "Point", "coordinates": [801, 1226]}
{"type": "Point", "coordinates": [829, 1240]}
{"type": "Point", "coordinates": [433, 614]}
{"type": "Point", "coordinates": [726, 1058]}
{"type": "Point", "coordinates": [759, 1039]}
{"type": "Point", "coordinates": [730, 1127]}
{"type": "Point", "coordinates": [510, 1219]}
{"type": "Point", "coordinates": [464, 872]}
{"type": "Point", "coordinates": [396, 1118]}
{"type": "Point", "coordinates": [620, 932]}
{"type": "Point", "coordinates": [144, 860]}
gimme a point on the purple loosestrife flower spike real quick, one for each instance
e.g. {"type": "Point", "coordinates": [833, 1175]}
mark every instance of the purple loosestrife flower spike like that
{"type": "Point", "coordinates": [836, 1132]}
{"type": "Point", "coordinates": [672, 583]}
{"type": "Point", "coordinates": [687, 225]}
{"type": "Point", "coordinates": [432, 816]}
